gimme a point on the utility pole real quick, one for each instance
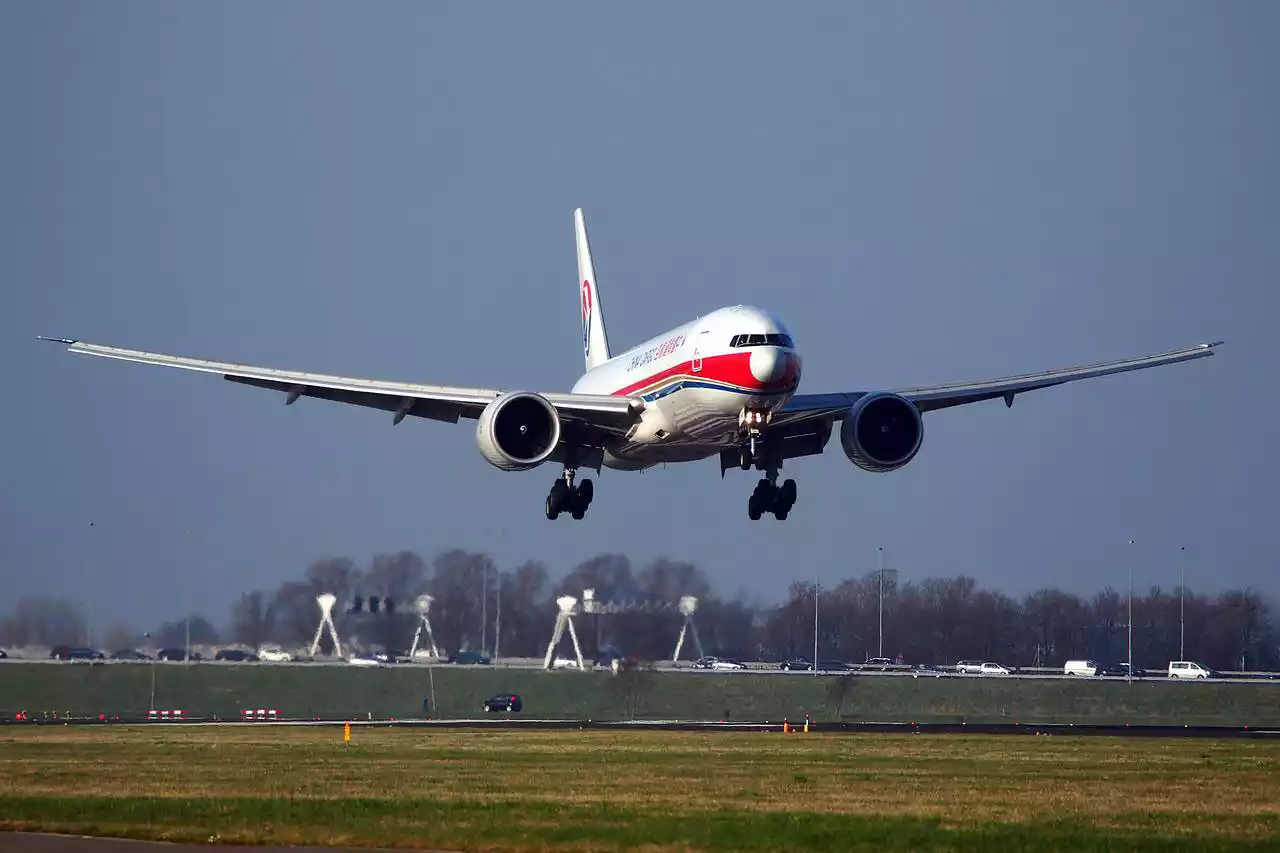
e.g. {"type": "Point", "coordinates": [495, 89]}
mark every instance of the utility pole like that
{"type": "Point", "coordinates": [880, 606]}
{"type": "Point", "coordinates": [1182, 602]}
{"type": "Point", "coordinates": [88, 606]}
{"type": "Point", "coordinates": [497, 628]}
{"type": "Point", "coordinates": [815, 627]}
{"type": "Point", "coordinates": [186, 606]}
{"type": "Point", "coordinates": [1128, 676]}
{"type": "Point", "coordinates": [484, 606]}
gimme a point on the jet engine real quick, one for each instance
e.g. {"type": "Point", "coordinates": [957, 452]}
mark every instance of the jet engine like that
{"type": "Point", "coordinates": [518, 431]}
{"type": "Point", "coordinates": [882, 432]}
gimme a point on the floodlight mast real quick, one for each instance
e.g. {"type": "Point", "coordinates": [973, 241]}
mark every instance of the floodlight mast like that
{"type": "Point", "coordinates": [567, 605]}
{"type": "Point", "coordinates": [422, 605]}
{"type": "Point", "coordinates": [326, 602]}
{"type": "Point", "coordinates": [688, 605]}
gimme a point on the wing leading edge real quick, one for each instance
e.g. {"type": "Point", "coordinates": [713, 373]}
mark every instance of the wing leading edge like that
{"type": "Point", "coordinates": [437, 402]}
{"type": "Point", "coordinates": [930, 398]}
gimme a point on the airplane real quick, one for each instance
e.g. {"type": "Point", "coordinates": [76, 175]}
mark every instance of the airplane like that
{"type": "Point", "coordinates": [722, 385]}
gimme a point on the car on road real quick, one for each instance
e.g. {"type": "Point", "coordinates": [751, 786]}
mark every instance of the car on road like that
{"type": "Point", "coordinates": [993, 669]}
{"type": "Point", "coordinates": [796, 663]}
{"type": "Point", "coordinates": [129, 654]}
{"type": "Point", "coordinates": [470, 658]}
{"type": "Point", "coordinates": [1082, 667]}
{"type": "Point", "coordinates": [711, 662]}
{"type": "Point", "coordinates": [76, 653]}
{"type": "Point", "coordinates": [275, 654]}
{"type": "Point", "coordinates": [882, 663]}
{"type": "Point", "coordinates": [176, 654]}
{"type": "Point", "coordinates": [972, 667]}
{"type": "Point", "coordinates": [1189, 669]}
{"type": "Point", "coordinates": [1121, 670]}
{"type": "Point", "coordinates": [504, 702]}
{"type": "Point", "coordinates": [927, 669]}
{"type": "Point", "coordinates": [236, 655]}
{"type": "Point", "coordinates": [562, 662]}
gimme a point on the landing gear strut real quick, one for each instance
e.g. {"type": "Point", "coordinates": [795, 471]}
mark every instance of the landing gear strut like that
{"type": "Point", "coordinates": [749, 429]}
{"type": "Point", "coordinates": [770, 497]}
{"type": "Point", "coordinates": [566, 497]}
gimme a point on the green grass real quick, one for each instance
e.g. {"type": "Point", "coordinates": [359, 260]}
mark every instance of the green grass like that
{"type": "Point", "coordinates": [658, 791]}
{"type": "Point", "coordinates": [337, 691]}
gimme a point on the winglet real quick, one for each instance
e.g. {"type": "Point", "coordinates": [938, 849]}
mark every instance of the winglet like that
{"type": "Point", "coordinates": [57, 340]}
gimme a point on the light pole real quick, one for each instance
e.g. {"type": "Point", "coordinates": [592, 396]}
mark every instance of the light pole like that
{"type": "Point", "coordinates": [880, 605]}
{"type": "Point", "coordinates": [1128, 675]}
{"type": "Point", "coordinates": [88, 604]}
{"type": "Point", "coordinates": [497, 626]}
{"type": "Point", "coordinates": [151, 705]}
{"type": "Point", "coordinates": [815, 627]}
{"type": "Point", "coordinates": [1182, 602]}
{"type": "Point", "coordinates": [484, 606]}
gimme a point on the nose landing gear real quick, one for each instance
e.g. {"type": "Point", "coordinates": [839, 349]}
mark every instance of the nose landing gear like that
{"type": "Point", "coordinates": [565, 497]}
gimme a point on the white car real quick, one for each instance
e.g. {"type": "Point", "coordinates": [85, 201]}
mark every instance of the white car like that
{"type": "Point", "coordinates": [993, 669]}
{"type": "Point", "coordinates": [364, 660]}
{"type": "Point", "coordinates": [969, 666]}
{"type": "Point", "coordinates": [1188, 669]}
{"type": "Point", "coordinates": [564, 663]}
{"type": "Point", "coordinates": [274, 654]}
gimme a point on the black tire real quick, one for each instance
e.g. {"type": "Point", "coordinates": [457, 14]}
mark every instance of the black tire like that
{"type": "Point", "coordinates": [780, 514]}
{"type": "Point", "coordinates": [788, 492]}
{"type": "Point", "coordinates": [579, 513]}
{"type": "Point", "coordinates": [753, 508]}
{"type": "Point", "coordinates": [744, 460]}
{"type": "Point", "coordinates": [552, 512]}
{"type": "Point", "coordinates": [586, 491]}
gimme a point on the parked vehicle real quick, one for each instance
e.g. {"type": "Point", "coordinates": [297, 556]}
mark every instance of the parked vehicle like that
{"type": "Point", "coordinates": [796, 663]}
{"type": "Point", "coordinates": [470, 658]}
{"type": "Point", "coordinates": [1189, 669]}
{"type": "Point", "coordinates": [993, 669]}
{"type": "Point", "coordinates": [1121, 670]}
{"type": "Point", "coordinates": [972, 667]}
{"type": "Point", "coordinates": [237, 655]}
{"type": "Point", "coordinates": [1082, 667]}
{"type": "Point", "coordinates": [504, 702]}
{"type": "Point", "coordinates": [275, 654]}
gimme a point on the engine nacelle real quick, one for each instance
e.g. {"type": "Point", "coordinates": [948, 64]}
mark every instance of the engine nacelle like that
{"type": "Point", "coordinates": [882, 432]}
{"type": "Point", "coordinates": [518, 431]}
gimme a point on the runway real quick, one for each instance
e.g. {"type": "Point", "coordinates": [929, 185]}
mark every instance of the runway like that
{"type": "Point", "coordinates": [39, 842]}
{"type": "Point", "coordinates": [514, 723]}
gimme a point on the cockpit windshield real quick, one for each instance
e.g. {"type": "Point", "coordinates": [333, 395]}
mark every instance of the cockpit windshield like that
{"type": "Point", "coordinates": [771, 339]}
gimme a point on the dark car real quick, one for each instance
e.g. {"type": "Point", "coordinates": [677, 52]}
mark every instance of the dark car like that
{"type": "Point", "coordinates": [235, 655]}
{"type": "Point", "coordinates": [176, 654]}
{"type": "Point", "coordinates": [130, 654]}
{"type": "Point", "coordinates": [469, 657]}
{"type": "Point", "coordinates": [76, 653]}
{"type": "Point", "coordinates": [1120, 670]}
{"type": "Point", "coordinates": [795, 663]}
{"type": "Point", "coordinates": [504, 702]}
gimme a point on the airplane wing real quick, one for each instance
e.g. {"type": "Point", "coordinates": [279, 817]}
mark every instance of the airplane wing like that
{"type": "Point", "coordinates": [929, 398]}
{"type": "Point", "coordinates": [600, 412]}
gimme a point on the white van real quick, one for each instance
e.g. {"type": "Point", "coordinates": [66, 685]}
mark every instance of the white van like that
{"type": "Point", "coordinates": [1188, 669]}
{"type": "Point", "coordinates": [1082, 667]}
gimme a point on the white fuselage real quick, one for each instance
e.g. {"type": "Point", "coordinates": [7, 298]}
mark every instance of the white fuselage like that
{"type": "Point", "coordinates": [696, 380]}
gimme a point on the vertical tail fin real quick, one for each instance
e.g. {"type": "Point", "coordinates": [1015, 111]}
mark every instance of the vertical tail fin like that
{"type": "Point", "coordinates": [595, 341]}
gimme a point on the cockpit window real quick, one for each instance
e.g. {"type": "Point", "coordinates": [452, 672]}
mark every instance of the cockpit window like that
{"type": "Point", "coordinates": [762, 340]}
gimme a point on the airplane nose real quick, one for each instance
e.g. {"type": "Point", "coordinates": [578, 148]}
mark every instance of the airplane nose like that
{"type": "Point", "coordinates": [768, 364]}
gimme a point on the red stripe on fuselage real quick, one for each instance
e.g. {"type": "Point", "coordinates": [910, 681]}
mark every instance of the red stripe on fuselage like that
{"type": "Point", "coordinates": [732, 369]}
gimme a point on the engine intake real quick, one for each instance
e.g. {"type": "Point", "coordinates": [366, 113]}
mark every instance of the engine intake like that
{"type": "Point", "coordinates": [518, 431]}
{"type": "Point", "coordinates": [882, 432]}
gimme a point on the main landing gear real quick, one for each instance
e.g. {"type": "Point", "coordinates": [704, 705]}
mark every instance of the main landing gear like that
{"type": "Point", "coordinates": [565, 497]}
{"type": "Point", "coordinates": [770, 497]}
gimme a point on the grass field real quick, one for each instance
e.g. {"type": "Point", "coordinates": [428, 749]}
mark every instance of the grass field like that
{"type": "Point", "coordinates": [349, 692]}
{"type": "Point", "coordinates": [656, 791]}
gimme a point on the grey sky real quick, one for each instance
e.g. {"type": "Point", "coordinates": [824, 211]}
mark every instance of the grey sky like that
{"type": "Point", "coordinates": [924, 192]}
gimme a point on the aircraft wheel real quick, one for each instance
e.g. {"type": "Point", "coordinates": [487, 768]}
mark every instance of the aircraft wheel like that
{"type": "Point", "coordinates": [586, 491]}
{"type": "Point", "coordinates": [753, 508]}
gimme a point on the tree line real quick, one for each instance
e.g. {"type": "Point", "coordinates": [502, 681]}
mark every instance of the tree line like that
{"type": "Point", "coordinates": [477, 605]}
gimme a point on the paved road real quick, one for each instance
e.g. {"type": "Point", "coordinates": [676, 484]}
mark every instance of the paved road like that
{"type": "Point", "coordinates": [35, 842]}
